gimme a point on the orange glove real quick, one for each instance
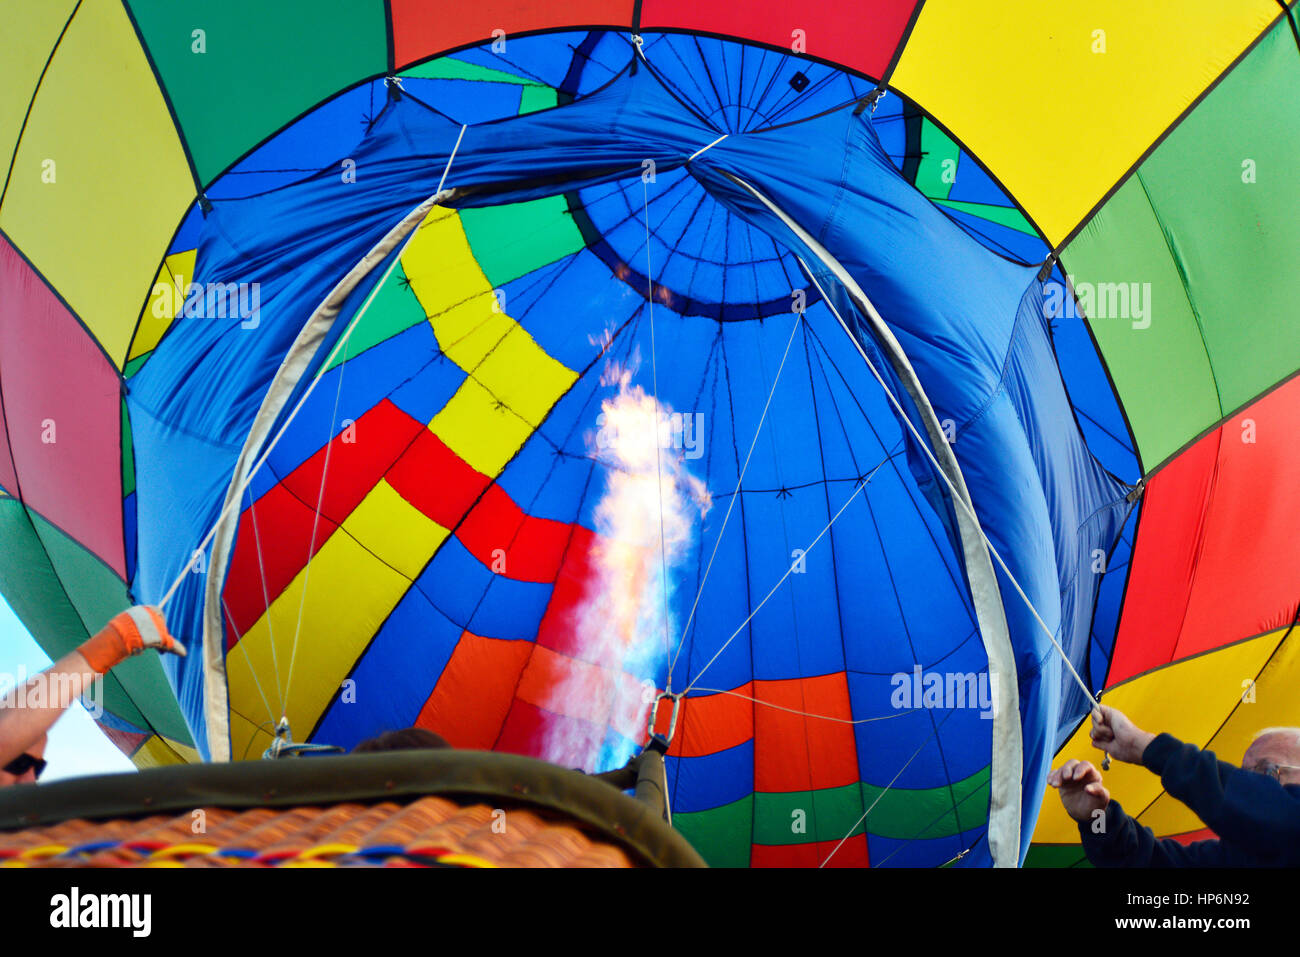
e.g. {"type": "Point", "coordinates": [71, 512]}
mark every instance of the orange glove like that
{"type": "Point", "coordinates": [129, 633]}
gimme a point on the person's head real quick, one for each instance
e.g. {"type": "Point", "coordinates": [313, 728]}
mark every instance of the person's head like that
{"type": "Point", "coordinates": [28, 765]}
{"type": "Point", "coordinates": [1275, 752]}
{"type": "Point", "coordinates": [404, 739]}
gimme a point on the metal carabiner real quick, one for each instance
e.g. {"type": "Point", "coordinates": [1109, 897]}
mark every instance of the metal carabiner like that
{"type": "Point", "coordinates": [676, 699]}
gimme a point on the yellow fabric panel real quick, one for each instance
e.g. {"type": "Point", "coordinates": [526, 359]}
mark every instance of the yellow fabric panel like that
{"type": "Point", "coordinates": [121, 182]}
{"type": "Point", "coordinates": [1190, 700]}
{"type": "Point", "coordinates": [395, 530]}
{"type": "Point", "coordinates": [1275, 705]}
{"type": "Point", "coordinates": [479, 429]}
{"type": "Point", "coordinates": [513, 381]}
{"type": "Point", "coordinates": [469, 331]}
{"type": "Point", "coordinates": [1018, 83]}
{"type": "Point", "coordinates": [169, 290]}
{"type": "Point", "coordinates": [523, 376]}
{"type": "Point", "coordinates": [248, 739]}
{"type": "Point", "coordinates": [439, 264]}
{"type": "Point", "coordinates": [349, 594]}
{"type": "Point", "coordinates": [157, 752]}
{"type": "Point", "coordinates": [30, 30]}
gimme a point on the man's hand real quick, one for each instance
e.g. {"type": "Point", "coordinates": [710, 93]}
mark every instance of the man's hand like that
{"type": "Point", "coordinates": [129, 633]}
{"type": "Point", "coordinates": [1119, 737]}
{"type": "Point", "coordinates": [1082, 792]}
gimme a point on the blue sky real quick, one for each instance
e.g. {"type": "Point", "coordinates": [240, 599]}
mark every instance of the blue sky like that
{"type": "Point", "coordinates": [77, 746]}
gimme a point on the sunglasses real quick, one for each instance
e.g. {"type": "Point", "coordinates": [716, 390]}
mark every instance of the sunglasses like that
{"type": "Point", "coordinates": [1272, 770]}
{"type": "Point", "coordinates": [24, 763]}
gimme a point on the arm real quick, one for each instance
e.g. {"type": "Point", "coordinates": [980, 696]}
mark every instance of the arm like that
{"type": "Point", "coordinates": [29, 712]}
{"type": "Point", "coordinates": [1245, 808]}
{"type": "Point", "coordinates": [1126, 843]}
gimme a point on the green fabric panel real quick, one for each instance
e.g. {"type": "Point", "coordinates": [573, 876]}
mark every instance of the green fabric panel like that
{"type": "Point", "coordinates": [534, 98]}
{"type": "Point", "coordinates": [1216, 251]}
{"type": "Point", "coordinates": [720, 834]}
{"type": "Point", "coordinates": [449, 68]}
{"type": "Point", "coordinates": [922, 814]}
{"type": "Point", "coordinates": [264, 64]}
{"type": "Point", "coordinates": [1056, 855]}
{"type": "Point", "coordinates": [936, 147]}
{"type": "Point", "coordinates": [1007, 216]}
{"type": "Point", "coordinates": [511, 241]}
{"type": "Point", "coordinates": [59, 621]}
{"type": "Point", "coordinates": [1235, 241]}
{"type": "Point", "coordinates": [823, 815]}
{"type": "Point", "coordinates": [128, 454]}
{"type": "Point", "coordinates": [393, 309]}
{"type": "Point", "coordinates": [1161, 372]}
{"type": "Point", "coordinates": [132, 367]}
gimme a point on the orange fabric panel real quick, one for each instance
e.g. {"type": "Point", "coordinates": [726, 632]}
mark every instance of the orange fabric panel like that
{"type": "Point", "coordinates": [578, 689]}
{"type": "Point", "coordinates": [482, 673]}
{"type": "Point", "coordinates": [710, 723]}
{"type": "Point", "coordinates": [797, 753]}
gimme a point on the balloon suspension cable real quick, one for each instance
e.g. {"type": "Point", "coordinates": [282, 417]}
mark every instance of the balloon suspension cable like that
{"type": "Point", "coordinates": [432, 201]}
{"type": "Point", "coordinates": [961, 501]}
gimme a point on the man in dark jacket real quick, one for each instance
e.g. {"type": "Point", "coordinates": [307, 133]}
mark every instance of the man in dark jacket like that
{"type": "Point", "coordinates": [1255, 809]}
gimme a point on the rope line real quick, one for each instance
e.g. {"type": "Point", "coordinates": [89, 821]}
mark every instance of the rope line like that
{"type": "Point", "coordinates": [955, 496]}
{"type": "Point", "coordinates": [809, 714]}
{"type": "Point", "coordinates": [717, 542]}
{"type": "Point", "coordinates": [654, 372]}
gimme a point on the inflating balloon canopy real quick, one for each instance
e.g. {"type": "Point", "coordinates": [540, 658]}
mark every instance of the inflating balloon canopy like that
{"type": "Point", "coordinates": [852, 391]}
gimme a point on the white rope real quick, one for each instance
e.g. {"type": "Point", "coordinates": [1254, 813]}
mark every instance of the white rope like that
{"type": "Point", "coordinates": [654, 385]}
{"type": "Point", "coordinates": [861, 485]}
{"type": "Point", "coordinates": [320, 501]}
{"type": "Point", "coordinates": [788, 571]}
{"type": "Point", "coordinates": [709, 147]}
{"type": "Point", "coordinates": [874, 803]}
{"type": "Point", "coordinates": [311, 386]}
{"type": "Point", "coordinates": [955, 496]}
{"type": "Point", "coordinates": [699, 592]}
{"type": "Point", "coordinates": [266, 599]}
{"type": "Point", "coordinates": [808, 714]}
{"type": "Point", "coordinates": [451, 158]}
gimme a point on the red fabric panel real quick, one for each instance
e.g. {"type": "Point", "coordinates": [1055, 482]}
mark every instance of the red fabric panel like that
{"type": "Point", "coordinates": [852, 854]}
{"type": "Point", "coordinates": [532, 547]}
{"type": "Point", "coordinates": [284, 529]}
{"type": "Point", "coordinates": [861, 35]}
{"type": "Point", "coordinates": [285, 514]}
{"type": "Point", "coordinates": [1217, 558]}
{"type": "Point", "coordinates": [796, 753]}
{"type": "Point", "coordinates": [711, 723]}
{"type": "Point", "coordinates": [358, 459]}
{"type": "Point", "coordinates": [8, 477]}
{"type": "Point", "coordinates": [1191, 837]}
{"type": "Point", "coordinates": [126, 741]}
{"type": "Point", "coordinates": [420, 31]}
{"type": "Point", "coordinates": [50, 369]}
{"type": "Point", "coordinates": [558, 629]}
{"type": "Point", "coordinates": [444, 486]}
{"type": "Point", "coordinates": [473, 696]}
{"type": "Point", "coordinates": [436, 480]}
{"type": "Point", "coordinates": [526, 725]}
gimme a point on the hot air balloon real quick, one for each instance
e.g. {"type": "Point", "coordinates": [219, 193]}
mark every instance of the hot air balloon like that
{"type": "Point", "coordinates": [847, 394]}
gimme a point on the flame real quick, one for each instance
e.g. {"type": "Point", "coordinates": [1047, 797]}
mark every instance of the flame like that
{"type": "Point", "coordinates": [645, 524]}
